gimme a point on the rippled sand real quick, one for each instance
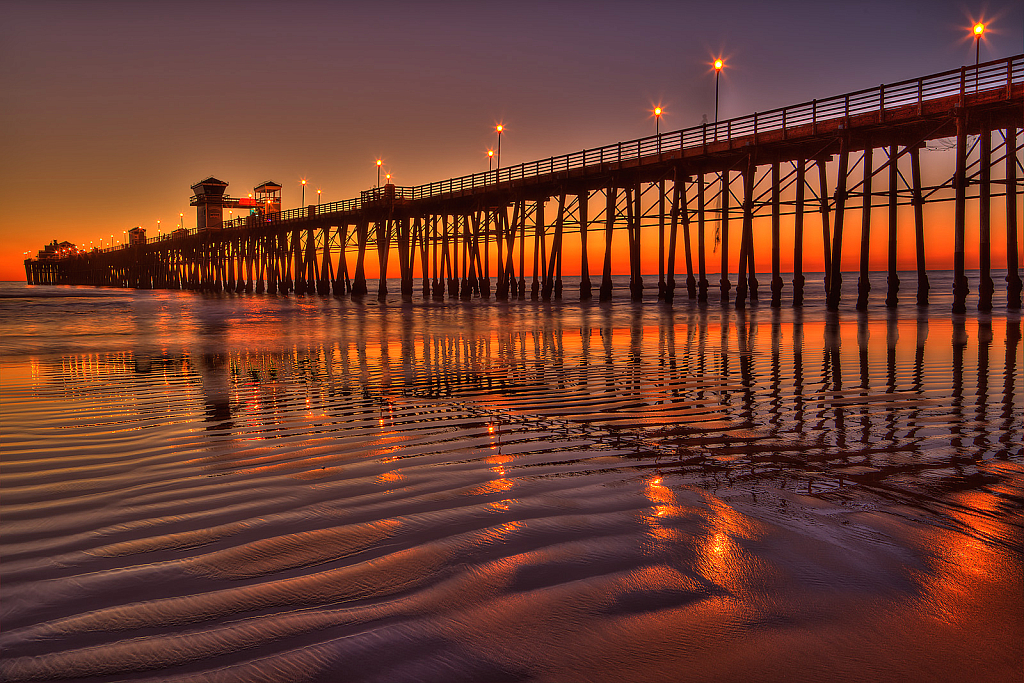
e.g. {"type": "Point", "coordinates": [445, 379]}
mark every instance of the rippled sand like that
{"type": "Point", "coordinates": [295, 489]}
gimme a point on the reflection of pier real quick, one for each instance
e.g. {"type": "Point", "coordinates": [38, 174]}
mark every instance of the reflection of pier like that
{"type": "Point", "coordinates": [749, 397]}
{"type": "Point", "coordinates": [455, 235]}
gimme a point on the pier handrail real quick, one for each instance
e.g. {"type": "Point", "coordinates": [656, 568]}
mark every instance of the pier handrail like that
{"type": "Point", "coordinates": [987, 77]}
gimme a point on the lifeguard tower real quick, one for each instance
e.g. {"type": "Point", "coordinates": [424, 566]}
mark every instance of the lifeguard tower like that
{"type": "Point", "coordinates": [210, 201]}
{"type": "Point", "coordinates": [268, 197]}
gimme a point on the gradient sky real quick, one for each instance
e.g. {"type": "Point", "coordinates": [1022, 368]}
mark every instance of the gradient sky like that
{"type": "Point", "coordinates": [111, 110]}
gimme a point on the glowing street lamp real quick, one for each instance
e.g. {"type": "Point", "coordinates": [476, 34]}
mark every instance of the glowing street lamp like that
{"type": "Point", "coordinates": [378, 172]}
{"type": "Point", "coordinates": [181, 217]}
{"type": "Point", "coordinates": [490, 158]}
{"type": "Point", "coordinates": [499, 128]}
{"type": "Point", "coordinates": [303, 192]}
{"type": "Point", "coordinates": [387, 178]}
{"type": "Point", "coordinates": [318, 198]}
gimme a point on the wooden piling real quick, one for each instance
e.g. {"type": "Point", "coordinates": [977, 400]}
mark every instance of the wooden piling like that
{"type": "Point", "coordinates": [918, 202]}
{"type": "Point", "coordinates": [864, 282]}
{"type": "Point", "coordinates": [893, 280]}
{"type": "Point", "coordinates": [960, 288]}
{"type": "Point", "coordinates": [1013, 280]}
{"type": "Point", "coordinates": [836, 261]}
{"type": "Point", "coordinates": [702, 282]}
{"type": "Point", "coordinates": [606, 276]}
{"type": "Point", "coordinates": [776, 237]}
{"type": "Point", "coordinates": [798, 235]}
{"type": "Point", "coordinates": [825, 225]}
{"type": "Point", "coordinates": [723, 279]}
{"type": "Point", "coordinates": [585, 285]}
{"type": "Point", "coordinates": [985, 285]}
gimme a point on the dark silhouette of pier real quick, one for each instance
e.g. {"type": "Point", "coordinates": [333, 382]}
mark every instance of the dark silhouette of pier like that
{"type": "Point", "coordinates": [683, 183]}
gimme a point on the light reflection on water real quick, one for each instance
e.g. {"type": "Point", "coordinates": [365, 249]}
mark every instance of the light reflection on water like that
{"type": "Point", "coordinates": [264, 488]}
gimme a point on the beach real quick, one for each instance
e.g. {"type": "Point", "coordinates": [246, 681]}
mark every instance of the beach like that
{"type": "Point", "coordinates": [221, 487]}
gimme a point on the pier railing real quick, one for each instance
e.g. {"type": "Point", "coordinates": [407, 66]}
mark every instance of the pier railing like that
{"type": "Point", "coordinates": [989, 78]}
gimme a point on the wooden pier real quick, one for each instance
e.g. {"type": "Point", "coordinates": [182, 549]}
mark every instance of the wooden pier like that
{"type": "Point", "coordinates": [452, 238]}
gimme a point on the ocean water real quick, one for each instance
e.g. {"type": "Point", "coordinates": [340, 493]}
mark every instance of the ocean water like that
{"type": "Point", "coordinates": [202, 487]}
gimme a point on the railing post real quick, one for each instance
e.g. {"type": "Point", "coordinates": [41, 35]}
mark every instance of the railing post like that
{"type": "Point", "coordinates": [785, 135]}
{"type": "Point", "coordinates": [920, 96]}
{"type": "Point", "coordinates": [963, 82]}
{"type": "Point", "coordinates": [881, 103]}
{"type": "Point", "coordinates": [814, 117]}
{"type": "Point", "coordinates": [1009, 77]}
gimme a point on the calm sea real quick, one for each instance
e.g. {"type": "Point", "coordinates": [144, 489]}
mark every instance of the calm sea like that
{"type": "Point", "coordinates": [261, 488]}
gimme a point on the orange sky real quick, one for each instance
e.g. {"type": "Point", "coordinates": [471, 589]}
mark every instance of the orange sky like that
{"type": "Point", "coordinates": [110, 111]}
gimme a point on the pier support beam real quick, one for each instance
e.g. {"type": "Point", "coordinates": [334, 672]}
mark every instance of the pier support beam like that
{"type": "Point", "coordinates": [863, 282]}
{"type": "Point", "coordinates": [661, 237]}
{"type": "Point", "coordinates": [960, 288]}
{"type": "Point", "coordinates": [585, 285]}
{"type": "Point", "coordinates": [1013, 281]}
{"type": "Point", "coordinates": [826, 237]}
{"type": "Point", "coordinates": [918, 202]}
{"type": "Point", "coordinates": [609, 217]}
{"type": "Point", "coordinates": [985, 286]}
{"type": "Point", "coordinates": [836, 281]}
{"type": "Point", "coordinates": [776, 238]}
{"type": "Point", "coordinates": [746, 236]}
{"type": "Point", "coordinates": [893, 279]}
{"type": "Point", "coordinates": [798, 235]}
{"type": "Point", "coordinates": [702, 282]}
{"type": "Point", "coordinates": [723, 280]}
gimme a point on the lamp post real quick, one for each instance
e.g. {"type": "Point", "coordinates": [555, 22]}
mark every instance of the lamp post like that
{"type": "Point", "coordinates": [318, 200]}
{"type": "Point", "coordinates": [378, 172]}
{"type": "Point", "coordinates": [303, 192]}
{"type": "Point", "coordinates": [181, 217]}
{"type": "Point", "coordinates": [158, 228]}
{"type": "Point", "coordinates": [657, 126]}
{"type": "Point", "coordinates": [979, 29]}
{"type": "Point", "coordinates": [499, 128]}
{"type": "Point", "coordinates": [718, 72]}
{"type": "Point", "coordinates": [490, 159]}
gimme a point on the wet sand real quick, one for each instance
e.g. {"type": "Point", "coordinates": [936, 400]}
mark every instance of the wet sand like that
{"type": "Point", "coordinates": [222, 488]}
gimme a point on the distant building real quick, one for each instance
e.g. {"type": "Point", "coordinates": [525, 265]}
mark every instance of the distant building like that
{"type": "Point", "coordinates": [137, 236]}
{"type": "Point", "coordinates": [56, 250]}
